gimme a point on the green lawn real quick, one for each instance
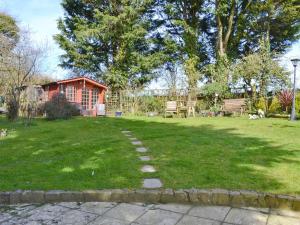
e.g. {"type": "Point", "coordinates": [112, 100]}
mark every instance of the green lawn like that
{"type": "Point", "coordinates": [232, 153]}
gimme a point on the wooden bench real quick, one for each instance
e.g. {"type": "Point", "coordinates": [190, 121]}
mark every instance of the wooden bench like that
{"type": "Point", "coordinates": [234, 106]}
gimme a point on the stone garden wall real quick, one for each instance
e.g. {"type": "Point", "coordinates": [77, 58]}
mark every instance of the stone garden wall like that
{"type": "Point", "coordinates": [194, 196]}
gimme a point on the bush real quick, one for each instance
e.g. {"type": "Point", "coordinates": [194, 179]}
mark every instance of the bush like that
{"type": "Point", "coordinates": [298, 102]}
{"type": "Point", "coordinates": [275, 106]}
{"type": "Point", "coordinates": [201, 105]}
{"type": "Point", "coordinates": [285, 98]}
{"type": "Point", "coordinates": [262, 104]}
{"type": "Point", "coordinates": [12, 108]}
{"type": "Point", "coordinates": [59, 108]}
{"type": "Point", "coordinates": [151, 104]}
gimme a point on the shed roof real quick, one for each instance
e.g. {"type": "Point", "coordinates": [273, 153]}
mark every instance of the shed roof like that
{"type": "Point", "coordinates": [96, 83]}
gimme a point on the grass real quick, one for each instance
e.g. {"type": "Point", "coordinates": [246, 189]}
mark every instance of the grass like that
{"type": "Point", "coordinates": [232, 153]}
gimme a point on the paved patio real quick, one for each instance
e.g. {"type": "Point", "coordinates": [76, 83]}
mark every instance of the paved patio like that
{"type": "Point", "coordinates": [110, 213]}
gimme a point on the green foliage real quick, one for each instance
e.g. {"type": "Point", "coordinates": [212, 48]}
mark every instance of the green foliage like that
{"type": "Point", "coordinates": [124, 42]}
{"type": "Point", "coordinates": [201, 105]}
{"type": "Point", "coordinates": [183, 23]}
{"type": "Point", "coordinates": [275, 106]}
{"type": "Point", "coordinates": [9, 27]}
{"type": "Point", "coordinates": [262, 104]}
{"type": "Point", "coordinates": [59, 108]}
{"type": "Point", "coordinates": [108, 39]}
{"type": "Point", "coordinates": [190, 67]}
{"type": "Point", "coordinates": [152, 104]}
{"type": "Point", "coordinates": [277, 19]}
{"type": "Point", "coordinates": [259, 71]}
{"type": "Point", "coordinates": [298, 102]}
{"type": "Point", "coordinates": [286, 98]}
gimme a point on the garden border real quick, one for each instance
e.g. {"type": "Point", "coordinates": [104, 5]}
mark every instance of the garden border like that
{"type": "Point", "coordinates": [222, 197]}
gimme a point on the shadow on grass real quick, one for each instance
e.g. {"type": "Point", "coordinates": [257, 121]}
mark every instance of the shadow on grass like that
{"type": "Point", "coordinates": [207, 156]}
{"type": "Point", "coordinates": [64, 154]}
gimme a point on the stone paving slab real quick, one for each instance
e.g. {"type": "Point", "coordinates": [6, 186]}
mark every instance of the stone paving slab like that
{"type": "Point", "coordinates": [126, 131]}
{"type": "Point", "coordinates": [246, 217]}
{"type": "Point", "coordinates": [110, 213]}
{"type": "Point", "coordinates": [191, 220]}
{"type": "Point", "coordinates": [126, 212]}
{"type": "Point", "coordinates": [133, 139]}
{"type": "Point", "coordinates": [108, 221]}
{"type": "Point", "coordinates": [158, 217]}
{"type": "Point", "coordinates": [210, 212]}
{"type": "Point", "coordinates": [98, 208]}
{"type": "Point", "coordinates": [136, 143]}
{"type": "Point", "coordinates": [179, 208]}
{"type": "Point", "coordinates": [73, 217]}
{"type": "Point", "coordinates": [281, 220]}
{"type": "Point", "coordinates": [283, 212]}
{"type": "Point", "coordinates": [148, 169]}
{"type": "Point", "coordinates": [152, 183]}
{"type": "Point", "coordinates": [145, 158]}
{"type": "Point", "coordinates": [141, 149]}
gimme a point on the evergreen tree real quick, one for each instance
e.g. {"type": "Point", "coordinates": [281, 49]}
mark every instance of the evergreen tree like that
{"type": "Point", "coordinates": [9, 27]}
{"type": "Point", "coordinates": [183, 22]}
{"type": "Point", "coordinates": [109, 40]}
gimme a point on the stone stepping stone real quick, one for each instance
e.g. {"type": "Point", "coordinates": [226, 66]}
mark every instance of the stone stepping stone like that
{"type": "Point", "coordinates": [133, 139]}
{"type": "Point", "coordinates": [152, 183]}
{"type": "Point", "coordinates": [136, 142]}
{"type": "Point", "coordinates": [145, 158]}
{"type": "Point", "coordinates": [126, 131]}
{"type": "Point", "coordinates": [128, 135]}
{"type": "Point", "coordinates": [148, 169]}
{"type": "Point", "coordinates": [141, 149]}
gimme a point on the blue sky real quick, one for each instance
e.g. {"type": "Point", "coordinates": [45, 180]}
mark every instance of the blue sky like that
{"type": "Point", "coordinates": [40, 16]}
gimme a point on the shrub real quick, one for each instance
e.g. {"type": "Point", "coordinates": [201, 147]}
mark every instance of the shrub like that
{"type": "Point", "coordinates": [275, 106]}
{"type": "Point", "coordinates": [59, 108]}
{"type": "Point", "coordinates": [151, 104]}
{"type": "Point", "coordinates": [298, 102]}
{"type": "Point", "coordinates": [285, 98]}
{"type": "Point", "coordinates": [13, 106]}
{"type": "Point", "coordinates": [262, 104]}
{"type": "Point", "coordinates": [201, 105]}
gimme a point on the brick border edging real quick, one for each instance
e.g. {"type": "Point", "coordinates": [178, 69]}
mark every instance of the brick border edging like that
{"type": "Point", "coordinates": [238, 198]}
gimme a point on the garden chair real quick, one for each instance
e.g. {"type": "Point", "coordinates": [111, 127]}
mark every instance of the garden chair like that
{"type": "Point", "coordinates": [191, 108]}
{"type": "Point", "coordinates": [171, 107]}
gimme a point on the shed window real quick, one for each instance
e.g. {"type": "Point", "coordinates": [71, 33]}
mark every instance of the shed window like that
{"type": "Point", "coordinates": [95, 95]}
{"type": "Point", "coordinates": [85, 98]}
{"type": "Point", "coordinates": [70, 93]}
{"type": "Point", "coordinates": [62, 89]}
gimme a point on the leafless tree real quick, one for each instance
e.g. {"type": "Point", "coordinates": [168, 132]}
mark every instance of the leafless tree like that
{"type": "Point", "coordinates": [19, 64]}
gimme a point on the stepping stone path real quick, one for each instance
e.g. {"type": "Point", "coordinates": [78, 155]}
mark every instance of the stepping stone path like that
{"type": "Point", "coordinates": [152, 183]}
{"type": "Point", "coordinates": [141, 149]}
{"type": "Point", "coordinates": [133, 139]}
{"type": "Point", "coordinates": [148, 169]}
{"type": "Point", "coordinates": [149, 183]}
{"type": "Point", "coordinates": [136, 142]}
{"type": "Point", "coordinates": [145, 158]}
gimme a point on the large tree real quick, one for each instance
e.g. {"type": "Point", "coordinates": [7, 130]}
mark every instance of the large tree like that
{"type": "Point", "coordinates": [238, 26]}
{"type": "Point", "coordinates": [19, 64]}
{"type": "Point", "coordinates": [109, 40]}
{"type": "Point", "coordinates": [9, 27]}
{"type": "Point", "coordinates": [185, 23]}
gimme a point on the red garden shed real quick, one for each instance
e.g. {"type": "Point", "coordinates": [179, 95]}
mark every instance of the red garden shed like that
{"type": "Point", "coordinates": [86, 93]}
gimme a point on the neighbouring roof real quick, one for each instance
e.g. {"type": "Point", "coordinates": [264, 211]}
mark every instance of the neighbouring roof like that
{"type": "Point", "coordinates": [96, 83]}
